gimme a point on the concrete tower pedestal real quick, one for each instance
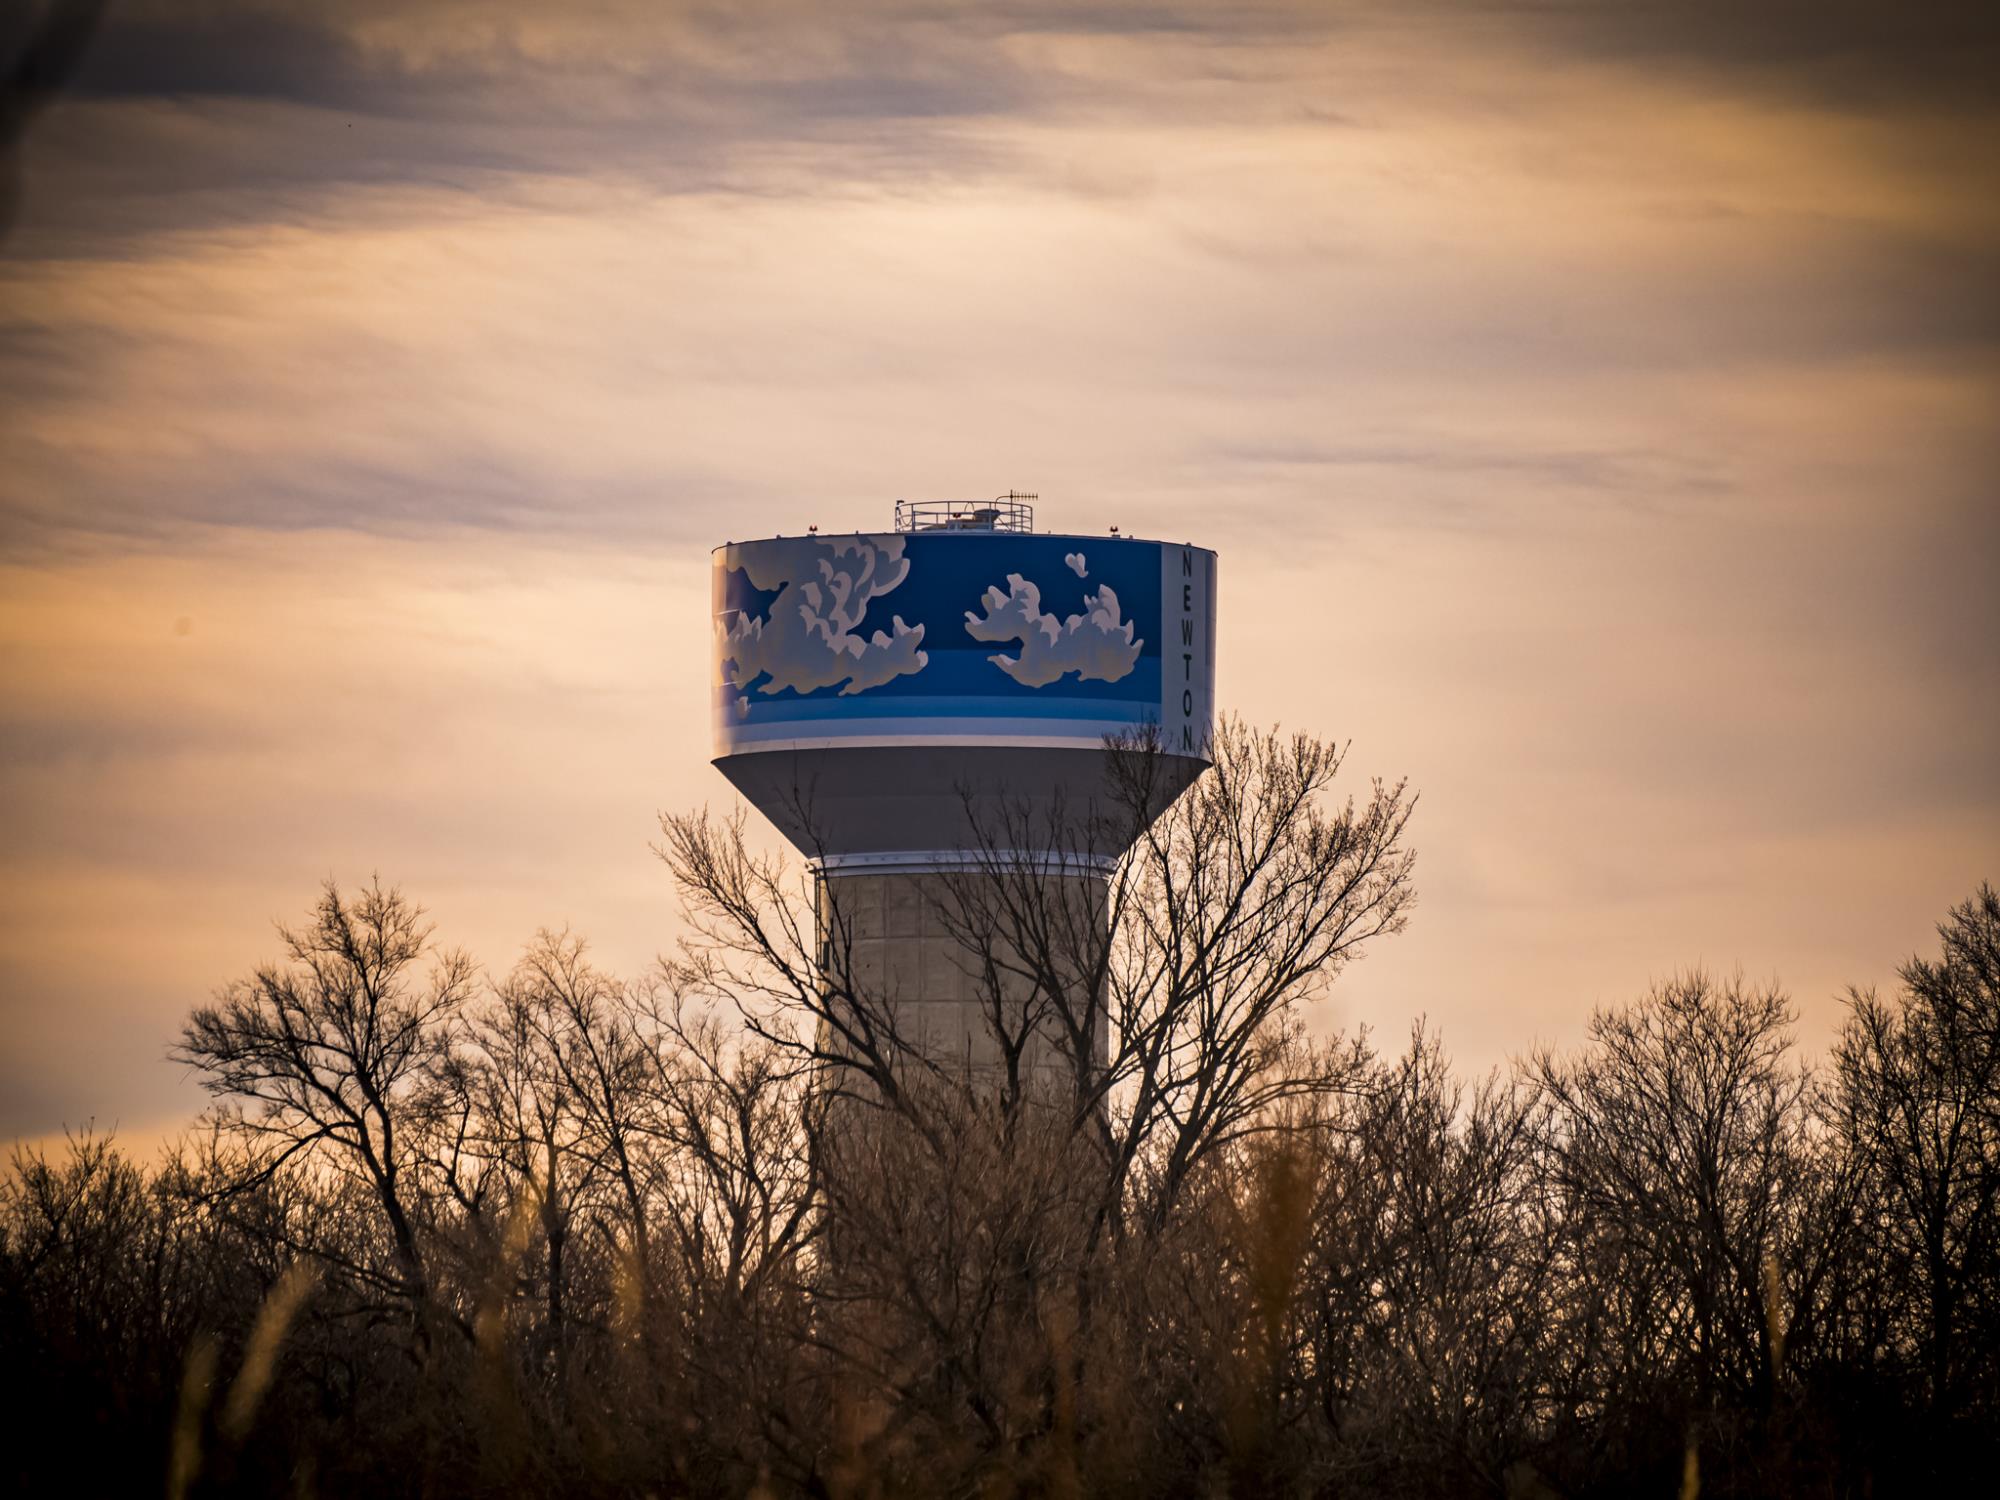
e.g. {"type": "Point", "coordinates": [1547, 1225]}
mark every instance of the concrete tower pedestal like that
{"type": "Point", "coordinates": [898, 939]}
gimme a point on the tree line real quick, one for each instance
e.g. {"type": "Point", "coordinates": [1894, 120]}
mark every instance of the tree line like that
{"type": "Point", "coordinates": [735, 1228]}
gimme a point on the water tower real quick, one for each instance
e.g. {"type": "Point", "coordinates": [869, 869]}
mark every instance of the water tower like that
{"type": "Point", "coordinates": [891, 699]}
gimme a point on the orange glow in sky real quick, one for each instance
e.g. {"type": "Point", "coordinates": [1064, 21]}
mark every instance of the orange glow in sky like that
{"type": "Point", "coordinates": [1595, 414]}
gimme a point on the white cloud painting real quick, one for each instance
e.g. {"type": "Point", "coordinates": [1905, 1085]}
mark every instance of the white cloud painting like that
{"type": "Point", "coordinates": [810, 639]}
{"type": "Point", "coordinates": [1097, 645]}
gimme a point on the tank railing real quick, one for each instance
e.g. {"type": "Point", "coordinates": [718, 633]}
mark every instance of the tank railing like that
{"type": "Point", "coordinates": [1008, 512]}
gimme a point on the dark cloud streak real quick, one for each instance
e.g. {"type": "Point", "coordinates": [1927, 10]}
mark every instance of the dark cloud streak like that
{"type": "Point", "coordinates": [1859, 53]}
{"type": "Point", "coordinates": [230, 111]}
{"type": "Point", "coordinates": [35, 64]}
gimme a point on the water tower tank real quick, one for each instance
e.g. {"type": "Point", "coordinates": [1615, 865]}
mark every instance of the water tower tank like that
{"type": "Point", "coordinates": [882, 695]}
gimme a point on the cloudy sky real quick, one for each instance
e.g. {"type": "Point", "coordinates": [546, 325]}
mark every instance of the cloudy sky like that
{"type": "Point", "coordinates": [1594, 408]}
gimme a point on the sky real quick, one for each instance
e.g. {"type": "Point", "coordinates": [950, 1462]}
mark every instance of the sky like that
{"type": "Point", "coordinates": [1596, 410]}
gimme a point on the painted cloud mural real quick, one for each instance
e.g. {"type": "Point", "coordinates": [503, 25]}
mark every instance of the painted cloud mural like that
{"type": "Point", "coordinates": [809, 639]}
{"type": "Point", "coordinates": [1096, 645]}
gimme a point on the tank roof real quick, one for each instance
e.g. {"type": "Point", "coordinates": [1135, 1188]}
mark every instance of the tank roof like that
{"type": "Point", "coordinates": [971, 528]}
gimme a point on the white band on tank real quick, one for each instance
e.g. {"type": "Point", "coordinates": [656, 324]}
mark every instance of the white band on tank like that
{"type": "Point", "coordinates": [932, 861]}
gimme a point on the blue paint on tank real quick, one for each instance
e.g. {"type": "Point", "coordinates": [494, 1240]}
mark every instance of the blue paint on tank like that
{"type": "Point", "coordinates": [960, 638]}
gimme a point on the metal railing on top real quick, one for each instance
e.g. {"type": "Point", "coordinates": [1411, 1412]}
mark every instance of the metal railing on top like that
{"type": "Point", "coordinates": [1008, 512]}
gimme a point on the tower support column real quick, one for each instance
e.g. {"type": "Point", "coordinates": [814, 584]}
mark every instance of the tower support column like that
{"type": "Point", "coordinates": [970, 965]}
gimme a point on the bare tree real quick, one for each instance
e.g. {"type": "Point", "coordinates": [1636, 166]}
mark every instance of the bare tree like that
{"type": "Point", "coordinates": [1173, 997]}
{"type": "Point", "coordinates": [330, 1055]}
{"type": "Point", "coordinates": [1240, 905]}
{"type": "Point", "coordinates": [1917, 1091]}
{"type": "Point", "coordinates": [526, 1091]}
{"type": "Point", "coordinates": [1678, 1144]}
{"type": "Point", "coordinates": [1461, 1268]}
